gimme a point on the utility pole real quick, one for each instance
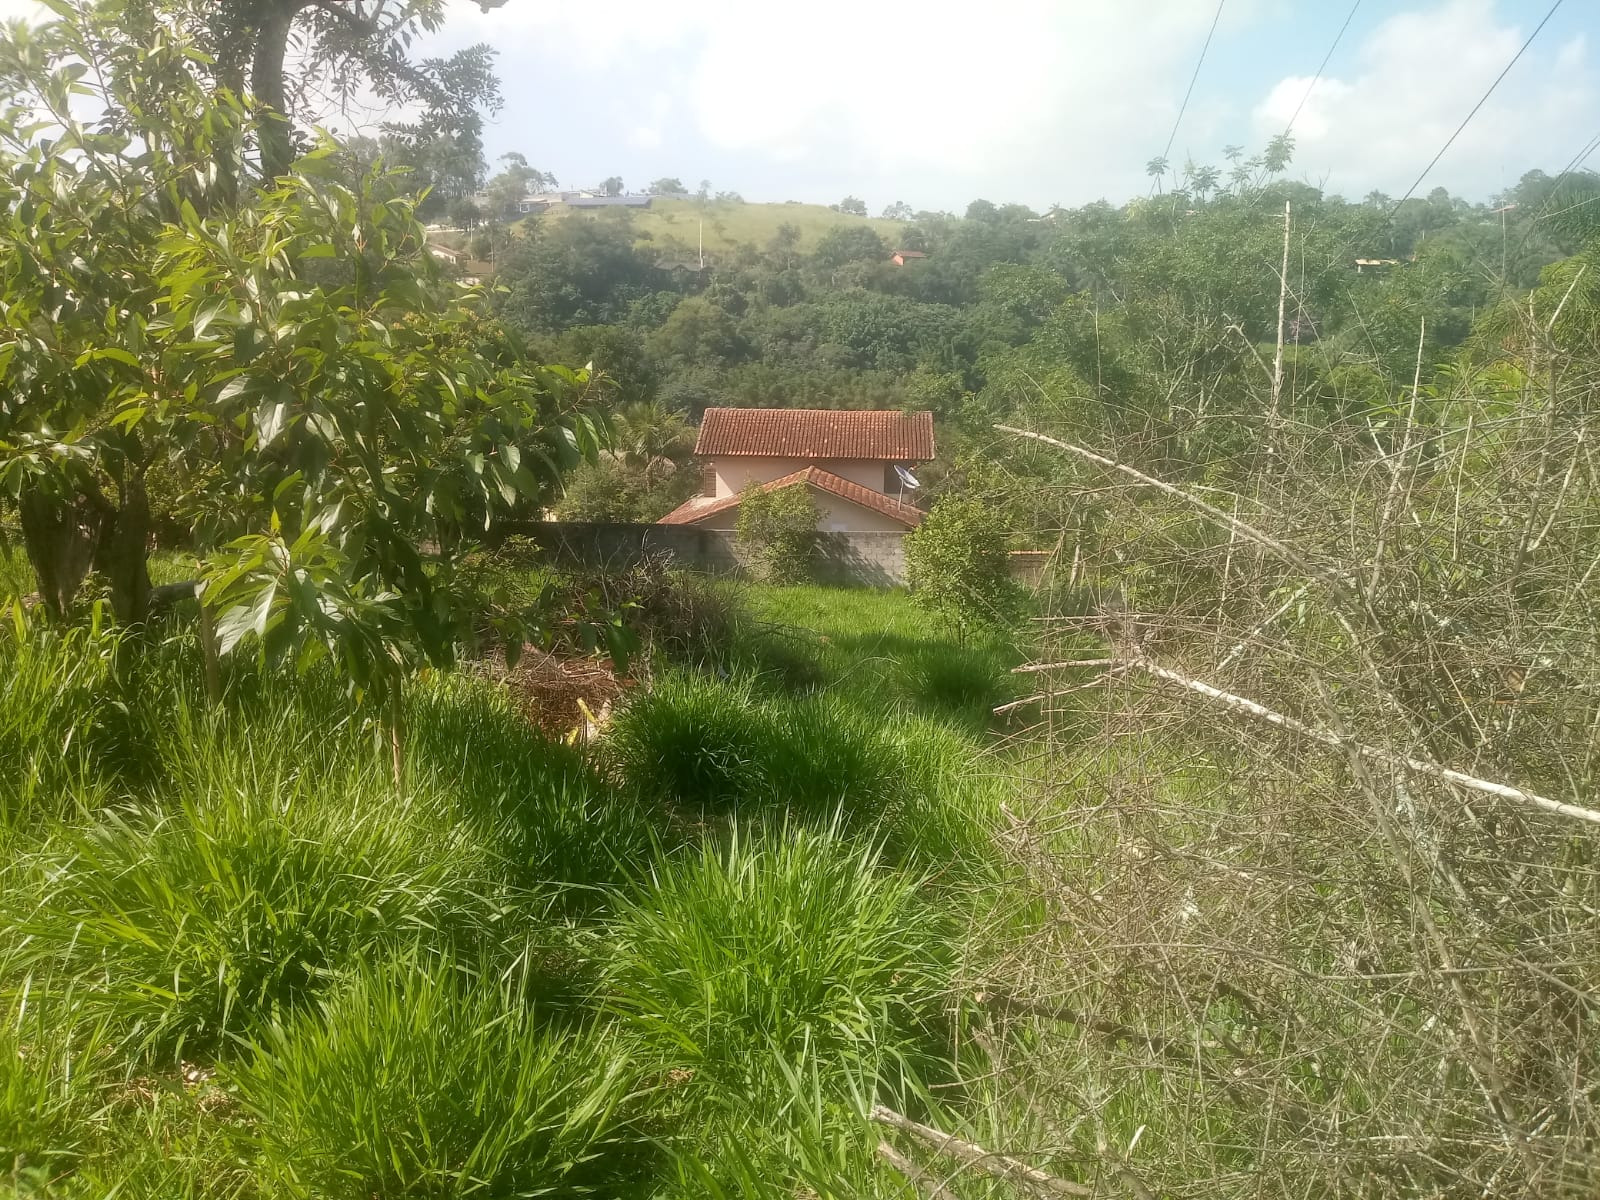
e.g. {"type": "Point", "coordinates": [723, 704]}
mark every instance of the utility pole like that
{"type": "Point", "coordinates": [702, 243]}
{"type": "Point", "coordinates": [1277, 364]}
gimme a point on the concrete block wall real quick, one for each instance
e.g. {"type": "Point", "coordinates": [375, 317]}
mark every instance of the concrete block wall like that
{"type": "Point", "coordinates": [872, 559]}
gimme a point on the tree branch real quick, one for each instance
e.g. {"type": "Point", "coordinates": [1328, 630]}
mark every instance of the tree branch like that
{"type": "Point", "coordinates": [987, 1161]}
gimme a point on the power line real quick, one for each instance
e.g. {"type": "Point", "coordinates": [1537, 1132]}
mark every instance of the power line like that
{"type": "Point", "coordinates": [1315, 79]}
{"type": "Point", "coordinates": [1184, 107]}
{"type": "Point", "coordinates": [1481, 102]}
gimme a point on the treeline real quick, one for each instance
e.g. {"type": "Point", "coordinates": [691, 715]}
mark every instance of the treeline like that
{"type": "Point", "coordinates": [1140, 319]}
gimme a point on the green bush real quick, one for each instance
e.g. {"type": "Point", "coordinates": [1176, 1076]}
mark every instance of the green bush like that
{"type": "Point", "coordinates": [185, 928]}
{"type": "Point", "coordinates": [555, 827]}
{"type": "Point", "coordinates": [691, 741]}
{"type": "Point", "coordinates": [958, 566]}
{"type": "Point", "coordinates": [750, 954]}
{"type": "Point", "coordinates": [419, 1079]}
{"type": "Point", "coordinates": [778, 533]}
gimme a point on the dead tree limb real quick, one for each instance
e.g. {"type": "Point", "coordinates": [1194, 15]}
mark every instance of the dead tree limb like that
{"type": "Point", "coordinates": [1390, 758]}
{"type": "Point", "coordinates": [975, 1156]}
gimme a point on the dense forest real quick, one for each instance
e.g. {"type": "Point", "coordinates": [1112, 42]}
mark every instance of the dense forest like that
{"type": "Point", "coordinates": [1140, 317]}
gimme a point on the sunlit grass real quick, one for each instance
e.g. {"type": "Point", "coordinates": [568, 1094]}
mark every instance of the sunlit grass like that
{"type": "Point", "coordinates": [247, 961]}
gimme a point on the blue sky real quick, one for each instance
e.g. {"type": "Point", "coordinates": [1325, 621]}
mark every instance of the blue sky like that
{"type": "Point", "coordinates": [1036, 101]}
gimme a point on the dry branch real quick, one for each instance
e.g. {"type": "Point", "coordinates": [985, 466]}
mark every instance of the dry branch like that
{"type": "Point", "coordinates": [1373, 753]}
{"type": "Point", "coordinates": [987, 1161]}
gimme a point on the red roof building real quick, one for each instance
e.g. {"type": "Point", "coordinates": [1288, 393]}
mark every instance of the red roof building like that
{"type": "Point", "coordinates": [848, 460]}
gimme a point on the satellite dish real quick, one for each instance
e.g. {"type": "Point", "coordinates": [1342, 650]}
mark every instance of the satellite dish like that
{"type": "Point", "coordinates": [906, 477]}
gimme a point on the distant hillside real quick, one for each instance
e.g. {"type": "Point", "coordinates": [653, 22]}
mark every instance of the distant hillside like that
{"type": "Point", "coordinates": [672, 225]}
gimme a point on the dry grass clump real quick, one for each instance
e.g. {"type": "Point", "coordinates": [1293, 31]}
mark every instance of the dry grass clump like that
{"type": "Point", "coordinates": [1313, 906]}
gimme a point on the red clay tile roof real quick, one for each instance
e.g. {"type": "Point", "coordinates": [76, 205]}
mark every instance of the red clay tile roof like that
{"type": "Point", "coordinates": [701, 507]}
{"type": "Point", "coordinates": [889, 435]}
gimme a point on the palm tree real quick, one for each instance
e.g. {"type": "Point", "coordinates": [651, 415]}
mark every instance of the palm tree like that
{"type": "Point", "coordinates": [652, 439]}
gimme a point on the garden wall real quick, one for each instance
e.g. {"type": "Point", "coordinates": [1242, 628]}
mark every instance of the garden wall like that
{"type": "Point", "coordinates": [873, 559]}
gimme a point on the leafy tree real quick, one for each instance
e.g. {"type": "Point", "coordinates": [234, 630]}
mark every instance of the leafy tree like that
{"type": "Point", "coordinates": [575, 273]}
{"type": "Point", "coordinates": [609, 491]}
{"type": "Point", "coordinates": [340, 49]}
{"type": "Point", "coordinates": [611, 186]}
{"type": "Point", "coordinates": [668, 187]}
{"type": "Point", "coordinates": [699, 333]}
{"type": "Point", "coordinates": [617, 355]}
{"type": "Point", "coordinates": [464, 214]}
{"type": "Point", "coordinates": [847, 244]}
{"type": "Point", "coordinates": [445, 169]}
{"type": "Point", "coordinates": [853, 206]}
{"type": "Point", "coordinates": [778, 533]}
{"type": "Point", "coordinates": [645, 475]}
{"type": "Point", "coordinates": [326, 401]}
{"type": "Point", "coordinates": [958, 568]}
{"type": "Point", "coordinates": [645, 433]}
{"type": "Point", "coordinates": [898, 211]}
{"type": "Point", "coordinates": [506, 190]}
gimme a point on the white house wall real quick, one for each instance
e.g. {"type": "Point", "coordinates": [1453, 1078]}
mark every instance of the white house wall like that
{"type": "Point", "coordinates": [736, 472]}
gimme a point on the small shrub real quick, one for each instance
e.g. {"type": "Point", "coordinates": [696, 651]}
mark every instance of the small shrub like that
{"type": "Point", "coordinates": [690, 741]}
{"type": "Point", "coordinates": [184, 929]}
{"type": "Point", "coordinates": [958, 565]}
{"type": "Point", "coordinates": [965, 682]}
{"type": "Point", "coordinates": [417, 1079]}
{"type": "Point", "coordinates": [777, 944]}
{"type": "Point", "coordinates": [822, 757]}
{"type": "Point", "coordinates": [553, 824]}
{"type": "Point", "coordinates": [778, 533]}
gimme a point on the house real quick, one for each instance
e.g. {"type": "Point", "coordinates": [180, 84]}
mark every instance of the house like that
{"type": "Point", "coordinates": [535, 203]}
{"type": "Point", "coordinates": [447, 254]}
{"type": "Point", "coordinates": [900, 257]}
{"type": "Point", "coordinates": [847, 460]}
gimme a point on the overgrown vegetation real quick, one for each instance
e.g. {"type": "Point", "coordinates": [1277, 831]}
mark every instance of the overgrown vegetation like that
{"type": "Point", "coordinates": [245, 961]}
{"type": "Point", "coordinates": [1273, 874]}
{"type": "Point", "coordinates": [959, 568]}
{"type": "Point", "coordinates": [778, 533]}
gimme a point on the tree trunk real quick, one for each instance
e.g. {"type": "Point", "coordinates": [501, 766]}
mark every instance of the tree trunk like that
{"type": "Point", "coordinates": [267, 84]}
{"type": "Point", "coordinates": [122, 554]}
{"type": "Point", "coordinates": [66, 538]}
{"type": "Point", "coordinates": [60, 536]}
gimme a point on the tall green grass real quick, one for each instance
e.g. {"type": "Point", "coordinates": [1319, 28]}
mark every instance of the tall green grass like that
{"type": "Point", "coordinates": [418, 1078]}
{"type": "Point", "coordinates": [774, 943]}
{"type": "Point", "coordinates": [188, 927]}
{"type": "Point", "coordinates": [696, 950]}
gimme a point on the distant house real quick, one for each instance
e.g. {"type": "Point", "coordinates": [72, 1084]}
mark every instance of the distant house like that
{"type": "Point", "coordinates": [447, 254]}
{"type": "Point", "coordinates": [540, 202]}
{"type": "Point", "coordinates": [847, 460]}
{"type": "Point", "coordinates": [1363, 264]}
{"type": "Point", "coordinates": [900, 257]}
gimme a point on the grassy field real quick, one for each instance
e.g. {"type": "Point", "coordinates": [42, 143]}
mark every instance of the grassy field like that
{"type": "Point", "coordinates": [674, 225]}
{"type": "Point", "coordinates": [244, 962]}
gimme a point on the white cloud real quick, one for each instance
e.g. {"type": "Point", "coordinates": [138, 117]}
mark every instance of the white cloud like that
{"type": "Point", "coordinates": [1410, 83]}
{"type": "Point", "coordinates": [1035, 99]}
